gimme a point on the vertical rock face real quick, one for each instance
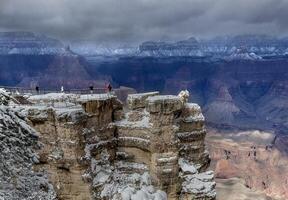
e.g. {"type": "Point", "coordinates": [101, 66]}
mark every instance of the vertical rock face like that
{"type": "Point", "coordinates": [18, 142]}
{"type": "Point", "coordinates": [168, 135]}
{"type": "Point", "coordinates": [63, 146]}
{"type": "Point", "coordinates": [152, 150]}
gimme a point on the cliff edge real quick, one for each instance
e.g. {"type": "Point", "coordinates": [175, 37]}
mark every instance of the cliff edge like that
{"type": "Point", "coordinates": [92, 147]}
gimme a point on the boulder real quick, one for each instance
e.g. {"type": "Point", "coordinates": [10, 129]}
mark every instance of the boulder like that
{"type": "Point", "coordinates": [136, 101]}
{"type": "Point", "coordinates": [165, 104]}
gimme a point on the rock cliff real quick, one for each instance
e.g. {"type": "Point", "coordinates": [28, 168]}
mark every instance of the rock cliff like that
{"type": "Point", "coordinates": [153, 149]}
{"type": "Point", "coordinates": [18, 145]}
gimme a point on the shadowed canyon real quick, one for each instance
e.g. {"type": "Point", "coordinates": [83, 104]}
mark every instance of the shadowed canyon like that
{"type": "Point", "coordinates": [240, 83]}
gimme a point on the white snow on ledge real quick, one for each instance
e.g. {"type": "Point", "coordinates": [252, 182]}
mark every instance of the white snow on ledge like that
{"type": "Point", "coordinates": [143, 123]}
{"type": "Point", "coordinates": [163, 97]}
{"type": "Point", "coordinates": [89, 97]}
{"type": "Point", "coordinates": [53, 96]}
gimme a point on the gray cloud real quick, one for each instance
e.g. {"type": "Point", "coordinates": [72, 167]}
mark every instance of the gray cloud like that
{"type": "Point", "coordinates": [138, 20]}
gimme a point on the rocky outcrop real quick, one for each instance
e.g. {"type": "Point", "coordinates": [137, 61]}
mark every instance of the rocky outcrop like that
{"type": "Point", "coordinates": [63, 145]}
{"type": "Point", "coordinates": [164, 133]}
{"type": "Point", "coordinates": [18, 145]}
{"type": "Point", "coordinates": [93, 148]}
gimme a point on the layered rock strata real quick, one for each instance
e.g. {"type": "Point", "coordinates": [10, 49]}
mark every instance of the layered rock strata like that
{"type": "Point", "coordinates": [254, 157]}
{"type": "Point", "coordinates": [154, 149]}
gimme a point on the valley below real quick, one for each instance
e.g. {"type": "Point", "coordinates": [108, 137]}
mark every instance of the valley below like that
{"type": "Point", "coordinates": [234, 188]}
{"type": "Point", "coordinates": [248, 164]}
{"type": "Point", "coordinates": [243, 94]}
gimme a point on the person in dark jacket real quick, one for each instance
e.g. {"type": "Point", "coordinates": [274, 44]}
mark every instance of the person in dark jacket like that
{"type": "Point", "coordinates": [91, 88]}
{"type": "Point", "coordinates": [109, 88]}
{"type": "Point", "coordinates": [37, 89]}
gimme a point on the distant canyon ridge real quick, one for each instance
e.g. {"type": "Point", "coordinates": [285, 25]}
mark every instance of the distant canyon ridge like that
{"type": "Point", "coordinates": [239, 81]}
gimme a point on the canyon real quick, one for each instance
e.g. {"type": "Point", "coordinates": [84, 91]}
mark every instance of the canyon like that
{"type": "Point", "coordinates": [239, 82]}
{"type": "Point", "coordinates": [248, 92]}
{"type": "Point", "coordinates": [89, 147]}
{"type": "Point", "coordinates": [250, 157]}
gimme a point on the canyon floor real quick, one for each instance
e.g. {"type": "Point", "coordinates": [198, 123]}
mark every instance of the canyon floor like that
{"type": "Point", "coordinates": [248, 165]}
{"type": "Point", "coordinates": [234, 188]}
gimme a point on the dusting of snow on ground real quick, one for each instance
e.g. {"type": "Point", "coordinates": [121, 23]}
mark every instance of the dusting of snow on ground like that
{"type": "Point", "coordinates": [142, 123]}
{"type": "Point", "coordinates": [186, 167]}
{"type": "Point", "coordinates": [197, 115]}
{"type": "Point", "coordinates": [118, 182]}
{"type": "Point", "coordinates": [140, 95]}
{"type": "Point", "coordinates": [196, 183]}
{"type": "Point", "coordinates": [53, 96]}
{"type": "Point", "coordinates": [163, 97]}
{"type": "Point", "coordinates": [17, 143]}
{"type": "Point", "coordinates": [90, 97]}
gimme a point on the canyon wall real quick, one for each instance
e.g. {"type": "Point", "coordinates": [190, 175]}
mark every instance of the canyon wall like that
{"type": "Point", "coordinates": [152, 149]}
{"type": "Point", "coordinates": [241, 93]}
{"type": "Point", "coordinates": [251, 156]}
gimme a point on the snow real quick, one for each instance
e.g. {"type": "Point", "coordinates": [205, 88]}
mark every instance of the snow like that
{"type": "Point", "coordinates": [138, 189]}
{"type": "Point", "coordinates": [4, 92]}
{"type": "Point", "coordinates": [243, 56]}
{"type": "Point", "coordinates": [131, 165]}
{"type": "Point", "coordinates": [53, 97]}
{"type": "Point", "coordinates": [144, 122]}
{"type": "Point", "coordinates": [167, 160]}
{"type": "Point", "coordinates": [89, 97]}
{"type": "Point", "coordinates": [18, 141]}
{"type": "Point", "coordinates": [101, 178]}
{"type": "Point", "coordinates": [90, 49]}
{"type": "Point", "coordinates": [184, 96]}
{"type": "Point", "coordinates": [6, 98]}
{"type": "Point", "coordinates": [73, 114]}
{"type": "Point", "coordinates": [163, 97]}
{"type": "Point", "coordinates": [127, 192]}
{"type": "Point", "coordinates": [198, 184]}
{"type": "Point", "coordinates": [197, 114]}
{"type": "Point", "coordinates": [201, 184]}
{"type": "Point", "coordinates": [89, 147]}
{"type": "Point", "coordinates": [186, 167]}
{"type": "Point", "coordinates": [141, 95]}
{"type": "Point", "coordinates": [125, 180]}
{"type": "Point", "coordinates": [195, 118]}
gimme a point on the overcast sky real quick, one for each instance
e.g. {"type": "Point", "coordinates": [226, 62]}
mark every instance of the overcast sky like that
{"type": "Point", "coordinates": [140, 20]}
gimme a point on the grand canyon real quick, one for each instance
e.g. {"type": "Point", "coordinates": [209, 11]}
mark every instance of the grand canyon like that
{"type": "Point", "coordinates": [239, 82]}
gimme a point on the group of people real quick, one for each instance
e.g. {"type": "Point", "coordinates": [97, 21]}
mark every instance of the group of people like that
{"type": "Point", "coordinates": [108, 88]}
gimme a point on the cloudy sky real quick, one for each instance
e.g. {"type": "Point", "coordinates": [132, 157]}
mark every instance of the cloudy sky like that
{"type": "Point", "coordinates": [140, 20]}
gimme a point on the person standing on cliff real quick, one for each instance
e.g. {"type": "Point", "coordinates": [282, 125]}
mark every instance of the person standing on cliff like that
{"type": "Point", "coordinates": [109, 88]}
{"type": "Point", "coordinates": [91, 89]}
{"type": "Point", "coordinates": [37, 89]}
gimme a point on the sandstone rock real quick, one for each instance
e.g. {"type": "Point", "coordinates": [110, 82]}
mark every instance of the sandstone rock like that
{"type": "Point", "coordinates": [135, 101]}
{"type": "Point", "coordinates": [96, 103]}
{"type": "Point", "coordinates": [184, 95]}
{"type": "Point", "coordinates": [165, 104]}
{"type": "Point", "coordinates": [199, 186]}
{"type": "Point", "coordinates": [99, 150]}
